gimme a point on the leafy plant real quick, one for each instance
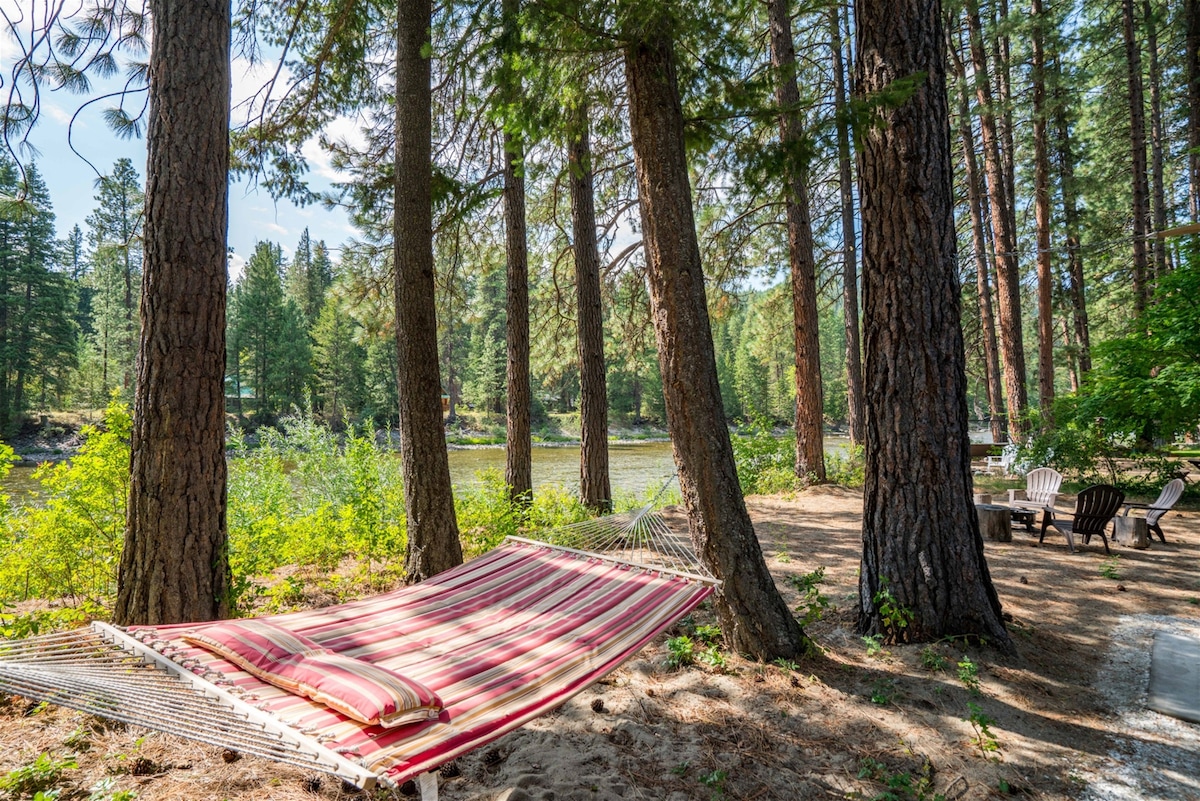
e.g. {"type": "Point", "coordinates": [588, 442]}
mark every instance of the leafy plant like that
{"type": "Point", "coordinates": [38, 776]}
{"type": "Point", "coordinates": [766, 463]}
{"type": "Point", "coordinates": [900, 786]}
{"type": "Point", "coordinates": [1108, 568]}
{"type": "Point", "coordinates": [715, 781]}
{"type": "Point", "coordinates": [894, 616]}
{"type": "Point", "coordinates": [968, 674]}
{"type": "Point", "coordinates": [985, 740]}
{"type": "Point", "coordinates": [874, 643]}
{"type": "Point", "coordinates": [932, 660]}
{"type": "Point", "coordinates": [813, 602]}
{"type": "Point", "coordinates": [681, 652]}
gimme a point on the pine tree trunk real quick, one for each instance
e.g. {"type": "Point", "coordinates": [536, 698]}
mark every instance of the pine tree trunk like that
{"type": "Point", "coordinates": [518, 458]}
{"type": "Point", "coordinates": [175, 564]}
{"type": "Point", "coordinates": [1137, 145]}
{"type": "Point", "coordinates": [433, 544]}
{"type": "Point", "coordinates": [1158, 188]}
{"type": "Point", "coordinates": [810, 401]}
{"type": "Point", "coordinates": [850, 315]}
{"type": "Point", "coordinates": [921, 540]}
{"type": "Point", "coordinates": [1191, 70]}
{"type": "Point", "coordinates": [754, 618]}
{"type": "Point", "coordinates": [1002, 52]}
{"type": "Point", "coordinates": [1075, 277]}
{"type": "Point", "coordinates": [1008, 276]}
{"type": "Point", "coordinates": [595, 489]}
{"type": "Point", "coordinates": [997, 421]}
{"type": "Point", "coordinates": [1041, 215]}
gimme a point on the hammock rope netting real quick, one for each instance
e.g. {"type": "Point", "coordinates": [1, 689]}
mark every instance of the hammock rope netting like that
{"type": "Point", "coordinates": [502, 639]}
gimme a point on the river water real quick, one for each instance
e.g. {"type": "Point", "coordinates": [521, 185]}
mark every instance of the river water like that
{"type": "Point", "coordinates": [635, 467]}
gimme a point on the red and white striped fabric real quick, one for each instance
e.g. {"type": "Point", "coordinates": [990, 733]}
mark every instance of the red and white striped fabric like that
{"type": "Point", "coordinates": [501, 640]}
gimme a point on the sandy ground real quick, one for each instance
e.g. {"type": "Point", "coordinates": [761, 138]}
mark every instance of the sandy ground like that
{"type": "Point", "coordinates": [1066, 717]}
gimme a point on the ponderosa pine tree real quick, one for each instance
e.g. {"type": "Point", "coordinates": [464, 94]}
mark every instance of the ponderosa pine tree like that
{"type": "Point", "coordinates": [922, 550]}
{"type": "Point", "coordinates": [754, 618]}
{"type": "Point", "coordinates": [595, 489]}
{"type": "Point", "coordinates": [433, 544]}
{"type": "Point", "coordinates": [810, 398]}
{"type": "Point", "coordinates": [175, 563]}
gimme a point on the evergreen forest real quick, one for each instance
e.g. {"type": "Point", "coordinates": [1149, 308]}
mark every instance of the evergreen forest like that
{"type": "Point", "coordinates": [1074, 131]}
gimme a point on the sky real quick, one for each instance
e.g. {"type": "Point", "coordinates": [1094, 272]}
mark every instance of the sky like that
{"type": "Point", "coordinates": [253, 214]}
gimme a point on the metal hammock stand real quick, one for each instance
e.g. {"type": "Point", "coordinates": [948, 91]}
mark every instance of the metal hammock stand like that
{"type": "Point", "coordinates": [565, 612]}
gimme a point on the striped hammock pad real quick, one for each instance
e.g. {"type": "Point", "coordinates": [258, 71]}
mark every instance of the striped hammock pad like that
{"type": "Point", "coordinates": [501, 639]}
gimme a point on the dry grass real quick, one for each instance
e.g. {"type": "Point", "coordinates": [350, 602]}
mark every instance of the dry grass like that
{"type": "Point", "coordinates": [844, 725]}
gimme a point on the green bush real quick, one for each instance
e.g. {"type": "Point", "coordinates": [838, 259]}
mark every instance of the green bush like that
{"type": "Point", "coordinates": [766, 463]}
{"type": "Point", "coordinates": [68, 545]}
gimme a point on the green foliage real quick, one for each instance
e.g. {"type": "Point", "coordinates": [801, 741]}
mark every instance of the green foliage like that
{"type": "Point", "coordinates": [69, 546]}
{"type": "Point", "coordinates": [874, 643]}
{"type": "Point", "coordinates": [1085, 453]}
{"type": "Point", "coordinates": [846, 466]}
{"type": "Point", "coordinates": [900, 786]}
{"type": "Point", "coordinates": [813, 603]}
{"type": "Point", "coordinates": [681, 652]}
{"type": "Point", "coordinates": [895, 617]}
{"type": "Point", "coordinates": [968, 674]}
{"type": "Point", "coordinates": [303, 497]}
{"type": "Point", "coordinates": [38, 777]}
{"type": "Point", "coordinates": [766, 463]}
{"type": "Point", "coordinates": [1145, 385]}
{"type": "Point", "coordinates": [106, 790]}
{"type": "Point", "coordinates": [1109, 568]}
{"type": "Point", "coordinates": [985, 739]}
{"type": "Point", "coordinates": [932, 660]}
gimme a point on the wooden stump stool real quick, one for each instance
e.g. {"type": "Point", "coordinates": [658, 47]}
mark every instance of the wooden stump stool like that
{"type": "Point", "coordinates": [982, 498]}
{"type": "Point", "coordinates": [1131, 532]}
{"type": "Point", "coordinates": [995, 522]}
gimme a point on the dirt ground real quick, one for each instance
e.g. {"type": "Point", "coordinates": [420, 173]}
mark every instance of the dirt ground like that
{"type": "Point", "coordinates": [1064, 719]}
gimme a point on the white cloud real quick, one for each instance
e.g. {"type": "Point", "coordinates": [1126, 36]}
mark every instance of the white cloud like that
{"type": "Point", "coordinates": [342, 129]}
{"type": "Point", "coordinates": [61, 115]}
{"type": "Point", "coordinates": [237, 267]}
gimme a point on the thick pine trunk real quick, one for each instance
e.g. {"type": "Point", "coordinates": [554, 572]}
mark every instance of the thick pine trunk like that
{"type": "Point", "coordinates": [850, 315]}
{"type": "Point", "coordinates": [1137, 146]}
{"type": "Point", "coordinates": [433, 544]}
{"type": "Point", "coordinates": [595, 489]}
{"type": "Point", "coordinates": [1008, 276]}
{"type": "Point", "coordinates": [1002, 59]}
{"type": "Point", "coordinates": [1191, 71]}
{"type": "Point", "coordinates": [810, 443]}
{"type": "Point", "coordinates": [518, 458]}
{"type": "Point", "coordinates": [921, 541]}
{"type": "Point", "coordinates": [997, 421]}
{"type": "Point", "coordinates": [175, 565]}
{"type": "Point", "coordinates": [754, 618]}
{"type": "Point", "coordinates": [1041, 215]}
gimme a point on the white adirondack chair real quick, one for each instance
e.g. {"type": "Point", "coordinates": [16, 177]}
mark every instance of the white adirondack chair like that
{"type": "Point", "coordinates": [1162, 504]}
{"type": "Point", "coordinates": [1004, 461]}
{"type": "Point", "coordinates": [1040, 493]}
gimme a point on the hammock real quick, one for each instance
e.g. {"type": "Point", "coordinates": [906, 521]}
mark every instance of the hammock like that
{"type": "Point", "coordinates": [501, 639]}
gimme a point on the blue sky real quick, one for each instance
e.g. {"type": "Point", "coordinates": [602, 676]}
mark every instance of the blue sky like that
{"type": "Point", "coordinates": [253, 214]}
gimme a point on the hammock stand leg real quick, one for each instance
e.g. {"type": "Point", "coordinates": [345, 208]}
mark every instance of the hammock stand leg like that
{"type": "Point", "coordinates": [428, 782]}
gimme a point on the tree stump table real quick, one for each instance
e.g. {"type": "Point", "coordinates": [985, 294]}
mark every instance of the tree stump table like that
{"type": "Point", "coordinates": [1131, 532]}
{"type": "Point", "coordinates": [995, 522]}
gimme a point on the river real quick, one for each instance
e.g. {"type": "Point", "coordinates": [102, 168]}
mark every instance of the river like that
{"type": "Point", "coordinates": [635, 467]}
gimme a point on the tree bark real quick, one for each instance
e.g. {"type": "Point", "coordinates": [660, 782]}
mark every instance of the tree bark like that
{"type": "Point", "coordinates": [1157, 181]}
{"type": "Point", "coordinates": [1191, 69]}
{"type": "Point", "coordinates": [997, 421]}
{"type": "Point", "coordinates": [754, 618]}
{"type": "Point", "coordinates": [850, 315]}
{"type": "Point", "coordinates": [921, 541]}
{"type": "Point", "coordinates": [1075, 277]}
{"type": "Point", "coordinates": [595, 489]}
{"type": "Point", "coordinates": [433, 544]}
{"type": "Point", "coordinates": [1002, 56]}
{"type": "Point", "coordinates": [1008, 277]}
{"type": "Point", "coordinates": [175, 563]}
{"type": "Point", "coordinates": [518, 459]}
{"type": "Point", "coordinates": [810, 401]}
{"type": "Point", "coordinates": [1041, 215]}
{"type": "Point", "coordinates": [1137, 146]}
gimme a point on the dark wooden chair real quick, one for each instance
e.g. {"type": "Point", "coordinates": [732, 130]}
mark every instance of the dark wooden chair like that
{"type": "Point", "coordinates": [1095, 508]}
